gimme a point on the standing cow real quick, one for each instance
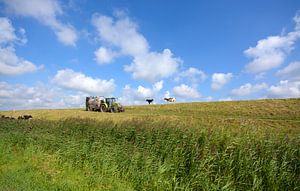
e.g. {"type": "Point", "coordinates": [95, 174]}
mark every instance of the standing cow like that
{"type": "Point", "coordinates": [170, 99]}
{"type": "Point", "coordinates": [149, 100]}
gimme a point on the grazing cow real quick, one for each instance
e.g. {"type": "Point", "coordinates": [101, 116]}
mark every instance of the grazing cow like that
{"type": "Point", "coordinates": [170, 99]}
{"type": "Point", "coordinates": [6, 117]}
{"type": "Point", "coordinates": [149, 100]}
{"type": "Point", "coordinates": [25, 117]}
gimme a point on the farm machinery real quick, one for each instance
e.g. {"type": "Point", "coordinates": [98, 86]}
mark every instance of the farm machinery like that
{"type": "Point", "coordinates": [102, 104]}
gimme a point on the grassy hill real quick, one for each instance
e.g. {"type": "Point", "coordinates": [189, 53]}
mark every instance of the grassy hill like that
{"type": "Point", "coordinates": [241, 145]}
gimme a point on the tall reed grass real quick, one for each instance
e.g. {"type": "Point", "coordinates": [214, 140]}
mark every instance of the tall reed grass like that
{"type": "Point", "coordinates": [147, 154]}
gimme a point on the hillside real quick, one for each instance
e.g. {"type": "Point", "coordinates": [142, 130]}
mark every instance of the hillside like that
{"type": "Point", "coordinates": [238, 145]}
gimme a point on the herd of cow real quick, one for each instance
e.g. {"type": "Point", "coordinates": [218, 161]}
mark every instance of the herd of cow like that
{"type": "Point", "coordinates": [170, 99]}
{"type": "Point", "coordinates": [26, 117]}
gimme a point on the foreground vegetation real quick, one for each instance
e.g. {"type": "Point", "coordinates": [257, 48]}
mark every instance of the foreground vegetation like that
{"type": "Point", "coordinates": [247, 145]}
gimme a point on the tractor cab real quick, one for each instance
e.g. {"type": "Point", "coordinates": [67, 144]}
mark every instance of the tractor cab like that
{"type": "Point", "coordinates": [110, 101]}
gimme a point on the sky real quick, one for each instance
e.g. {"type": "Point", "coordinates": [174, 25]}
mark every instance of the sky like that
{"type": "Point", "coordinates": [54, 53]}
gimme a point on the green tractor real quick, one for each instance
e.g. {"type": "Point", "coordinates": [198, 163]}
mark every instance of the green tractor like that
{"type": "Point", "coordinates": [103, 104]}
{"type": "Point", "coordinates": [111, 105]}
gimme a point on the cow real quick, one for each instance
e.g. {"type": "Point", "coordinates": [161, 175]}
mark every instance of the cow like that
{"type": "Point", "coordinates": [149, 100]}
{"type": "Point", "coordinates": [7, 117]}
{"type": "Point", "coordinates": [170, 99]}
{"type": "Point", "coordinates": [25, 117]}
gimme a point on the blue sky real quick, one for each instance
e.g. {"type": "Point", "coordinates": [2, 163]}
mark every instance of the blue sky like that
{"type": "Point", "coordinates": [54, 53]}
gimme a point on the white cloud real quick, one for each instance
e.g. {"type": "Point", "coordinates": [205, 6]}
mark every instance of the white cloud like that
{"type": "Point", "coordinates": [131, 96]}
{"type": "Point", "coordinates": [138, 96]}
{"type": "Point", "coordinates": [7, 31]}
{"type": "Point", "coordinates": [24, 97]}
{"type": "Point", "coordinates": [144, 92]}
{"type": "Point", "coordinates": [22, 39]}
{"type": "Point", "coordinates": [10, 63]}
{"type": "Point", "coordinates": [271, 52]}
{"type": "Point", "coordinates": [122, 34]}
{"type": "Point", "coordinates": [220, 79]}
{"type": "Point", "coordinates": [46, 12]}
{"type": "Point", "coordinates": [39, 96]}
{"type": "Point", "coordinates": [285, 89]}
{"type": "Point", "coordinates": [153, 66]}
{"type": "Point", "coordinates": [248, 89]}
{"type": "Point", "coordinates": [77, 81]}
{"type": "Point", "coordinates": [193, 75]}
{"type": "Point", "coordinates": [185, 91]}
{"type": "Point", "coordinates": [104, 55]}
{"type": "Point", "coordinates": [158, 86]}
{"type": "Point", "coordinates": [73, 100]}
{"type": "Point", "coordinates": [291, 72]}
{"type": "Point", "coordinates": [66, 34]}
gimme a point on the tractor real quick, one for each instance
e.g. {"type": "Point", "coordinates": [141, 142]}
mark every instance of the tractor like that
{"type": "Point", "coordinates": [99, 103]}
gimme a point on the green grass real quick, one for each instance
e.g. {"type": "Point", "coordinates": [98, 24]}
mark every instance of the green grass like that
{"type": "Point", "coordinates": [246, 145]}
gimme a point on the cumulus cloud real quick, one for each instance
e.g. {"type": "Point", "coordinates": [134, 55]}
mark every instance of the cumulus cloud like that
{"type": "Point", "coordinates": [285, 89]}
{"type": "Point", "coordinates": [153, 66]}
{"type": "Point", "coordinates": [10, 63]}
{"type": "Point", "coordinates": [220, 79]}
{"type": "Point", "coordinates": [104, 55]}
{"type": "Point", "coordinates": [24, 97]}
{"type": "Point", "coordinates": [142, 92]}
{"type": "Point", "coordinates": [185, 91]}
{"type": "Point", "coordinates": [193, 75]}
{"type": "Point", "coordinates": [248, 89]}
{"type": "Point", "coordinates": [291, 72]}
{"type": "Point", "coordinates": [7, 31]}
{"type": "Point", "coordinates": [20, 96]}
{"type": "Point", "coordinates": [46, 12]}
{"type": "Point", "coordinates": [132, 96]}
{"type": "Point", "coordinates": [66, 34]}
{"type": "Point", "coordinates": [158, 86]}
{"type": "Point", "coordinates": [271, 52]}
{"type": "Point", "coordinates": [122, 34]}
{"type": "Point", "coordinates": [77, 81]}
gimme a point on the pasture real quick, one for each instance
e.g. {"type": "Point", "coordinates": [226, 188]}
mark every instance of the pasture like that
{"type": "Point", "coordinates": [240, 145]}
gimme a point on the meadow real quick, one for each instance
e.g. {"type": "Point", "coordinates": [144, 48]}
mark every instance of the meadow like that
{"type": "Point", "coordinates": [239, 145]}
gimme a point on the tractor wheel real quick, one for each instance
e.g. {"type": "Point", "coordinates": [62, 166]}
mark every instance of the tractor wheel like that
{"type": "Point", "coordinates": [112, 110]}
{"type": "Point", "coordinates": [115, 109]}
{"type": "Point", "coordinates": [103, 108]}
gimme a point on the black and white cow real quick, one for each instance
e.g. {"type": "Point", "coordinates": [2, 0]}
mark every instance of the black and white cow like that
{"type": "Point", "coordinates": [170, 99]}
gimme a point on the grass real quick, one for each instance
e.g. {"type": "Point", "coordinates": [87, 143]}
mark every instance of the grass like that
{"type": "Point", "coordinates": [244, 145]}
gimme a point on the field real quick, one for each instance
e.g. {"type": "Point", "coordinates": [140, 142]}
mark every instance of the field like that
{"type": "Point", "coordinates": [241, 145]}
